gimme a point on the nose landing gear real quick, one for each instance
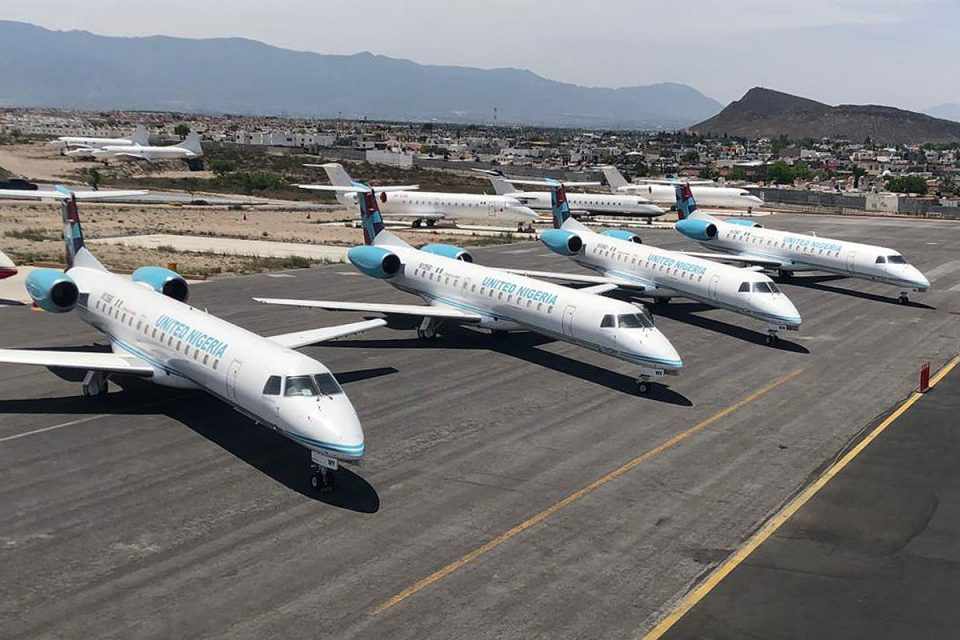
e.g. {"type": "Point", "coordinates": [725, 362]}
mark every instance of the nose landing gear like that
{"type": "Point", "coordinates": [904, 298]}
{"type": "Point", "coordinates": [643, 380]}
{"type": "Point", "coordinates": [322, 468]}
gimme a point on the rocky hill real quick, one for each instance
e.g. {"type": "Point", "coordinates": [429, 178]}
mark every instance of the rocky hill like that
{"type": "Point", "coordinates": [767, 113]}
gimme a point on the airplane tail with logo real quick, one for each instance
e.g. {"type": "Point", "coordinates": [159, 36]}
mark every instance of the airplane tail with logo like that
{"type": "Point", "coordinates": [686, 205]}
{"type": "Point", "coordinates": [374, 231]}
{"type": "Point", "coordinates": [614, 178]}
{"type": "Point", "coordinates": [140, 136]}
{"type": "Point", "coordinates": [192, 143]}
{"type": "Point", "coordinates": [76, 253]}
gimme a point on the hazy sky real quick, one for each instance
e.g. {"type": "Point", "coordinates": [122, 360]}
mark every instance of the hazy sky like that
{"type": "Point", "coordinates": [898, 52]}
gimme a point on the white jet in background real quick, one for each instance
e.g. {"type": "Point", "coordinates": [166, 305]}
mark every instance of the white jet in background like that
{"type": "Point", "coordinates": [7, 268]}
{"type": "Point", "coordinates": [662, 192]}
{"type": "Point", "coordinates": [621, 259]}
{"type": "Point", "coordinates": [189, 149]}
{"type": "Point", "coordinates": [426, 206]}
{"type": "Point", "coordinates": [580, 203]}
{"type": "Point", "coordinates": [743, 241]}
{"type": "Point", "coordinates": [140, 137]}
{"type": "Point", "coordinates": [156, 336]}
{"type": "Point", "coordinates": [459, 292]}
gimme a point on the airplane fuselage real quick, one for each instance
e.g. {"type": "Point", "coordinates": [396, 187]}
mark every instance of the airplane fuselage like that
{"type": "Point", "coordinates": [451, 205]}
{"type": "Point", "coordinates": [191, 349]}
{"type": "Point", "coordinates": [596, 203]}
{"type": "Point", "coordinates": [508, 301]}
{"type": "Point", "coordinates": [719, 197]}
{"type": "Point", "coordinates": [146, 153]}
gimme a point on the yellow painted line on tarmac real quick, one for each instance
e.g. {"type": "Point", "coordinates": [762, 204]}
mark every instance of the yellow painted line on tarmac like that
{"type": "Point", "coordinates": [533, 521]}
{"type": "Point", "coordinates": [774, 523]}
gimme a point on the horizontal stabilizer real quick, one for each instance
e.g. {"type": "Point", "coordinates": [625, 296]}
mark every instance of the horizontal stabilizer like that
{"type": "Point", "coordinates": [105, 362]}
{"type": "Point", "coordinates": [357, 189]}
{"type": "Point", "coordinates": [422, 311]}
{"type": "Point", "coordinates": [316, 336]}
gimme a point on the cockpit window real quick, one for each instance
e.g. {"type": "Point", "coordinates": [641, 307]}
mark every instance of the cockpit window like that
{"type": "Point", "coordinates": [761, 287]}
{"type": "Point", "coordinates": [635, 321]}
{"type": "Point", "coordinates": [608, 322]}
{"type": "Point", "coordinates": [300, 386]}
{"type": "Point", "coordinates": [896, 260]}
{"type": "Point", "coordinates": [744, 287]}
{"type": "Point", "coordinates": [327, 384]}
{"type": "Point", "coordinates": [272, 387]}
{"type": "Point", "coordinates": [881, 260]}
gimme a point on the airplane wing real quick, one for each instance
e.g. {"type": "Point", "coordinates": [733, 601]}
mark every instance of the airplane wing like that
{"type": "Point", "coordinates": [127, 154]}
{"type": "Point", "coordinates": [600, 284]}
{"type": "Point", "coordinates": [106, 362]}
{"type": "Point", "coordinates": [769, 263]}
{"type": "Point", "coordinates": [315, 336]}
{"type": "Point", "coordinates": [42, 194]}
{"type": "Point", "coordinates": [422, 311]}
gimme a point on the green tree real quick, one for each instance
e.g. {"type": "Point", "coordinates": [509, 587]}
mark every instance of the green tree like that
{"type": "Point", "coordinates": [94, 179]}
{"type": "Point", "coordinates": [907, 184]}
{"type": "Point", "coordinates": [181, 130]}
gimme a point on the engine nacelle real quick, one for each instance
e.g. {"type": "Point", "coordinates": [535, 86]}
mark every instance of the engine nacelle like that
{"type": "Point", "coordinates": [165, 281]}
{"type": "Point", "coordinates": [561, 241]}
{"type": "Point", "coordinates": [448, 251]}
{"type": "Point", "coordinates": [743, 222]}
{"type": "Point", "coordinates": [697, 229]}
{"type": "Point", "coordinates": [623, 234]}
{"type": "Point", "coordinates": [374, 261]}
{"type": "Point", "coordinates": [52, 290]}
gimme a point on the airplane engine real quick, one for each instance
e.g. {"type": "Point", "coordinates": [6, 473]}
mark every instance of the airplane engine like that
{"type": "Point", "coordinates": [52, 290]}
{"type": "Point", "coordinates": [696, 229]}
{"type": "Point", "coordinates": [165, 281]}
{"type": "Point", "coordinates": [375, 261]}
{"type": "Point", "coordinates": [623, 234]}
{"type": "Point", "coordinates": [448, 251]}
{"type": "Point", "coordinates": [743, 222]}
{"type": "Point", "coordinates": [561, 241]}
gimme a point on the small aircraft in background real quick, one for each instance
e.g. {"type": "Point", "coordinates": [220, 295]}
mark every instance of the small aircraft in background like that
{"type": "Point", "coordinates": [140, 137]}
{"type": "Point", "coordinates": [156, 336]}
{"type": "Point", "coordinates": [662, 192]}
{"type": "Point", "coordinates": [189, 149]}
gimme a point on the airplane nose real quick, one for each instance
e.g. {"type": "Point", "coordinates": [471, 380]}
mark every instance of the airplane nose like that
{"type": "Point", "coordinates": [657, 348]}
{"type": "Point", "coordinates": [921, 280]}
{"type": "Point", "coordinates": [332, 427]}
{"type": "Point", "coordinates": [787, 311]}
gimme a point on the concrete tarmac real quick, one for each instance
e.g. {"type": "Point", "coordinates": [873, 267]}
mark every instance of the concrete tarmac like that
{"type": "Point", "coordinates": [553, 502]}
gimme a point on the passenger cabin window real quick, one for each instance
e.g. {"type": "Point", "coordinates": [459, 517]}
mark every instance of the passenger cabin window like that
{"type": "Point", "coordinates": [744, 287]}
{"type": "Point", "coordinates": [608, 322]}
{"type": "Point", "coordinates": [272, 387]}
{"type": "Point", "coordinates": [896, 260]}
{"type": "Point", "coordinates": [300, 386]}
{"type": "Point", "coordinates": [327, 384]}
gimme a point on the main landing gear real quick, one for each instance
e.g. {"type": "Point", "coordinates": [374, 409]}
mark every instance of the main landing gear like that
{"type": "Point", "coordinates": [784, 275]}
{"type": "Point", "coordinates": [429, 329]}
{"type": "Point", "coordinates": [904, 298]}
{"type": "Point", "coordinates": [322, 468]}
{"type": "Point", "coordinates": [420, 221]}
{"type": "Point", "coordinates": [644, 385]}
{"type": "Point", "coordinates": [95, 384]}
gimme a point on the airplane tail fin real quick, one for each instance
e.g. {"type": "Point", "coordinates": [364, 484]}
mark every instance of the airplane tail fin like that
{"type": "Point", "coordinates": [140, 136]}
{"type": "Point", "coordinates": [686, 205]}
{"type": "Point", "coordinates": [339, 177]}
{"type": "Point", "coordinates": [559, 205]}
{"type": "Point", "coordinates": [192, 143]}
{"type": "Point", "coordinates": [374, 231]}
{"type": "Point", "coordinates": [501, 187]}
{"type": "Point", "coordinates": [614, 178]}
{"type": "Point", "coordinates": [76, 253]}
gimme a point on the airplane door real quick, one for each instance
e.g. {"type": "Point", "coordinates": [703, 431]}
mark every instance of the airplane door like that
{"type": "Point", "coordinates": [715, 287]}
{"type": "Point", "coordinates": [567, 323]}
{"type": "Point", "coordinates": [851, 261]}
{"type": "Point", "coordinates": [233, 373]}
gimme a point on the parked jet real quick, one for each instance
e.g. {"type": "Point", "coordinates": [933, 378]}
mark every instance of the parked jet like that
{"type": "Point", "coordinates": [189, 149]}
{"type": "Point", "coordinates": [424, 206]}
{"type": "Point", "coordinates": [140, 137]}
{"type": "Point", "coordinates": [663, 193]}
{"type": "Point", "coordinates": [156, 336]}
{"type": "Point", "coordinates": [7, 268]}
{"type": "Point", "coordinates": [622, 260]}
{"type": "Point", "coordinates": [457, 291]}
{"type": "Point", "coordinates": [588, 203]}
{"type": "Point", "coordinates": [746, 242]}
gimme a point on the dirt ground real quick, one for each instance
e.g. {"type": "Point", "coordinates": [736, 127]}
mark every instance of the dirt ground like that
{"type": "Point", "coordinates": [30, 233]}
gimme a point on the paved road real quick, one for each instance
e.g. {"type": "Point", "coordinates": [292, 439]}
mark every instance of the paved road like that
{"type": "Point", "coordinates": [165, 514]}
{"type": "Point", "coordinates": [874, 555]}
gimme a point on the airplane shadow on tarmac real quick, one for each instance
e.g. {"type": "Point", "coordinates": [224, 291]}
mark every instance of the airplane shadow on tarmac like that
{"type": "Point", "coordinates": [686, 312]}
{"type": "Point", "coordinates": [523, 346]}
{"type": "Point", "coordinates": [272, 454]}
{"type": "Point", "coordinates": [817, 282]}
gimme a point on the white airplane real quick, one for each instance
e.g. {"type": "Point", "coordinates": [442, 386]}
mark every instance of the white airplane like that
{"type": "Point", "coordinates": [156, 336]}
{"type": "Point", "coordinates": [744, 241]}
{"type": "Point", "coordinates": [585, 203]}
{"type": "Point", "coordinates": [424, 206]}
{"type": "Point", "coordinates": [189, 149]}
{"type": "Point", "coordinates": [460, 292]}
{"type": "Point", "coordinates": [663, 192]}
{"type": "Point", "coordinates": [7, 268]}
{"type": "Point", "coordinates": [622, 260]}
{"type": "Point", "coordinates": [140, 137]}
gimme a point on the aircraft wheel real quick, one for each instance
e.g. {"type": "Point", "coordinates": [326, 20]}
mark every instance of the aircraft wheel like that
{"type": "Point", "coordinates": [904, 299]}
{"type": "Point", "coordinates": [771, 339]}
{"type": "Point", "coordinates": [416, 223]}
{"type": "Point", "coordinates": [431, 222]}
{"type": "Point", "coordinates": [643, 386]}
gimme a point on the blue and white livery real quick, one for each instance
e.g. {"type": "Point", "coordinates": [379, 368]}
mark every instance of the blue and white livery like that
{"type": "Point", "coordinates": [458, 291]}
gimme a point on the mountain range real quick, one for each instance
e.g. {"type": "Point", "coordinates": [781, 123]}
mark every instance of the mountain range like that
{"type": "Point", "coordinates": [767, 113]}
{"type": "Point", "coordinates": [78, 69]}
{"type": "Point", "coordinates": [947, 111]}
